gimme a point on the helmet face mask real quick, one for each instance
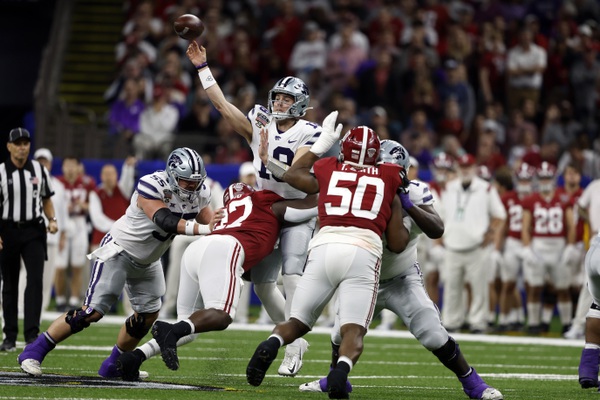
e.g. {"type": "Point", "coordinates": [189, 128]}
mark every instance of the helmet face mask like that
{"type": "Point", "coordinates": [524, 177]}
{"type": "Point", "coordinates": [394, 153]}
{"type": "Point", "coordinates": [546, 174]}
{"type": "Point", "coordinates": [185, 164]}
{"type": "Point", "coordinates": [360, 147]}
{"type": "Point", "coordinates": [235, 191]}
{"type": "Point", "coordinates": [296, 89]}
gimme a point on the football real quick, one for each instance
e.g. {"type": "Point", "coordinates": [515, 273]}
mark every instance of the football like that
{"type": "Point", "coordinates": [188, 26]}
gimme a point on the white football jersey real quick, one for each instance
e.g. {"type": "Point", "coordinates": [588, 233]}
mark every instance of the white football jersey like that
{"type": "Point", "coordinates": [393, 264]}
{"type": "Point", "coordinates": [143, 240]}
{"type": "Point", "coordinates": [282, 147]}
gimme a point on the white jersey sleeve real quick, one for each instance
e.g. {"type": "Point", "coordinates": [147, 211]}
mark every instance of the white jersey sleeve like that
{"type": "Point", "coordinates": [282, 147]}
{"type": "Point", "coordinates": [137, 234]}
{"type": "Point", "coordinates": [393, 264]}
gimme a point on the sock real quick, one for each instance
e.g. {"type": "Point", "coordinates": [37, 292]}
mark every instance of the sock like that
{"type": "Point", "coordinates": [533, 313]}
{"type": "Point", "coordinates": [547, 314]}
{"type": "Point", "coordinates": [511, 318]}
{"type": "Point", "coordinates": [520, 315]}
{"type": "Point", "coordinates": [60, 300]}
{"type": "Point", "coordinates": [335, 354]}
{"type": "Point", "coordinates": [150, 348]}
{"type": "Point", "coordinates": [275, 339]}
{"type": "Point", "coordinates": [74, 301]}
{"type": "Point", "coordinates": [468, 373]}
{"type": "Point", "coordinates": [345, 364]}
{"type": "Point", "coordinates": [591, 346]}
{"type": "Point", "coordinates": [50, 339]}
{"type": "Point", "coordinates": [503, 319]}
{"type": "Point", "coordinates": [565, 311]}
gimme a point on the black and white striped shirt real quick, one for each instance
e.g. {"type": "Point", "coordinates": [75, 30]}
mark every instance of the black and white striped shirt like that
{"type": "Point", "coordinates": [22, 191]}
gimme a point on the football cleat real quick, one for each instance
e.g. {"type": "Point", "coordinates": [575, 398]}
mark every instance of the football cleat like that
{"type": "Point", "coordinates": [259, 363]}
{"type": "Point", "coordinates": [320, 386]}
{"type": "Point", "coordinates": [31, 367]}
{"type": "Point", "coordinates": [337, 381]}
{"type": "Point", "coordinates": [162, 332]}
{"type": "Point", "coordinates": [476, 388]}
{"type": "Point", "coordinates": [108, 368]}
{"type": "Point", "coordinates": [292, 361]}
{"type": "Point", "coordinates": [129, 365]}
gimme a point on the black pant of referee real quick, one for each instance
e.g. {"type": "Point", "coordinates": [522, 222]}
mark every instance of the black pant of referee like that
{"type": "Point", "coordinates": [26, 240]}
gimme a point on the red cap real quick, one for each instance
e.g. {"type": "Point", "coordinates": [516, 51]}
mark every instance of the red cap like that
{"type": "Point", "coordinates": [466, 160]}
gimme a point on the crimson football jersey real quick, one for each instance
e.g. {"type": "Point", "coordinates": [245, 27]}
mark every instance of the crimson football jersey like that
{"type": "Point", "coordinates": [571, 200]}
{"type": "Point", "coordinates": [78, 192]}
{"type": "Point", "coordinates": [359, 197]}
{"type": "Point", "coordinates": [547, 217]}
{"type": "Point", "coordinates": [251, 221]}
{"type": "Point", "coordinates": [514, 212]}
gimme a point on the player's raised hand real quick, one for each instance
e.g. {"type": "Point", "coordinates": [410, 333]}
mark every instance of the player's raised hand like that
{"type": "Point", "coordinates": [196, 54]}
{"type": "Point", "coordinates": [263, 147]}
{"type": "Point", "coordinates": [329, 135]}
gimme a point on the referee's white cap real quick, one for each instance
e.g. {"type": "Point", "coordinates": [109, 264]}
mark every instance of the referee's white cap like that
{"type": "Point", "coordinates": [43, 153]}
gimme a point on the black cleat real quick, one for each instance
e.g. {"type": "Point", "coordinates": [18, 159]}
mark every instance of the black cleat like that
{"type": "Point", "coordinates": [167, 341]}
{"type": "Point", "coordinates": [129, 365]}
{"type": "Point", "coordinates": [336, 384]}
{"type": "Point", "coordinates": [260, 363]}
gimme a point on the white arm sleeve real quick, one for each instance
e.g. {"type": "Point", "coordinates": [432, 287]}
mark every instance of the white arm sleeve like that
{"type": "Point", "coordinates": [127, 180]}
{"type": "Point", "coordinates": [99, 220]}
{"type": "Point", "coordinates": [297, 215]}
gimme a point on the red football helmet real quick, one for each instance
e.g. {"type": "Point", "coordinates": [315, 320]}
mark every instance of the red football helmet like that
{"type": "Point", "coordinates": [525, 172]}
{"type": "Point", "coordinates": [443, 161]}
{"type": "Point", "coordinates": [546, 171]}
{"type": "Point", "coordinates": [360, 147]}
{"type": "Point", "coordinates": [235, 191]}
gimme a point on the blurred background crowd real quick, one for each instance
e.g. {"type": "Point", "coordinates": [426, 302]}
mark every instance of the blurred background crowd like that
{"type": "Point", "coordinates": [503, 80]}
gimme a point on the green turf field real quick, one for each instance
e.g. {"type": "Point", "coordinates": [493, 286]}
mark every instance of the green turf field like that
{"type": "Point", "coordinates": [390, 368]}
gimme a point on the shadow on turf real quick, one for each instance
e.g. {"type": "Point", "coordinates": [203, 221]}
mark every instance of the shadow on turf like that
{"type": "Point", "coordinates": [21, 379]}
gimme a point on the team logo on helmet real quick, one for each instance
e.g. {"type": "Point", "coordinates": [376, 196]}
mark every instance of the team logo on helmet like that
{"type": "Point", "coordinates": [360, 147]}
{"type": "Point", "coordinates": [236, 191]}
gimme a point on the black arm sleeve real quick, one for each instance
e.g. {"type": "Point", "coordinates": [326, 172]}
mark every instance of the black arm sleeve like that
{"type": "Point", "coordinates": [165, 220]}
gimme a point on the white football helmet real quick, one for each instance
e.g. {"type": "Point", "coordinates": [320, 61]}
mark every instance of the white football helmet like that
{"type": "Point", "coordinates": [394, 153]}
{"type": "Point", "coordinates": [296, 88]}
{"type": "Point", "coordinates": [185, 163]}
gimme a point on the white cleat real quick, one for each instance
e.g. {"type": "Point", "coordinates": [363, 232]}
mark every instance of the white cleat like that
{"type": "Point", "coordinates": [314, 386]}
{"type": "Point", "coordinates": [31, 367]}
{"type": "Point", "coordinates": [292, 361]}
{"type": "Point", "coordinates": [144, 375]}
{"type": "Point", "coordinates": [491, 394]}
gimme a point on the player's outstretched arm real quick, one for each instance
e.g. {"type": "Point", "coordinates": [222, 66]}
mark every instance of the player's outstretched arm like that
{"type": "Point", "coordinates": [237, 119]}
{"type": "Point", "coordinates": [428, 220]}
{"type": "Point", "coordinates": [169, 222]}
{"type": "Point", "coordinates": [299, 176]}
{"type": "Point", "coordinates": [298, 210]}
{"type": "Point", "coordinates": [396, 233]}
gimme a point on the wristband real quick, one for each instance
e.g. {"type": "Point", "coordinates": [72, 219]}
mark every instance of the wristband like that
{"type": "Point", "coordinates": [203, 229]}
{"type": "Point", "coordinates": [204, 64]}
{"type": "Point", "coordinates": [206, 78]}
{"type": "Point", "coordinates": [277, 168]}
{"type": "Point", "coordinates": [405, 200]}
{"type": "Point", "coordinates": [189, 227]}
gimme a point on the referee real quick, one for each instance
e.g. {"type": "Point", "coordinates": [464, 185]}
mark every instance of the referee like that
{"type": "Point", "coordinates": [25, 190]}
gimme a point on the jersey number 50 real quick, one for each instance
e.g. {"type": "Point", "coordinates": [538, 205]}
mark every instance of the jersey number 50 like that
{"type": "Point", "coordinates": [352, 201]}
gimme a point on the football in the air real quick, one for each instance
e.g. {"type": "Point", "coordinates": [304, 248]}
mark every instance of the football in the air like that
{"type": "Point", "coordinates": [188, 26]}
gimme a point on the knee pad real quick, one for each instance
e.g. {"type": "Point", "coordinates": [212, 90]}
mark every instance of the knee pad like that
{"type": "Point", "coordinates": [593, 312]}
{"type": "Point", "coordinates": [136, 326]}
{"type": "Point", "coordinates": [448, 352]}
{"type": "Point", "coordinates": [79, 319]}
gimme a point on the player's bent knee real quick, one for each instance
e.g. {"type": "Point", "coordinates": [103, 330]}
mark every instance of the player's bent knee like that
{"type": "Point", "coordinates": [594, 311]}
{"type": "Point", "coordinates": [79, 319]}
{"type": "Point", "coordinates": [138, 325]}
{"type": "Point", "coordinates": [432, 339]}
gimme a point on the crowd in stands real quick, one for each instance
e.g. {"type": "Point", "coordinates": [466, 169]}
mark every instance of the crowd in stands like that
{"type": "Point", "coordinates": [503, 80]}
